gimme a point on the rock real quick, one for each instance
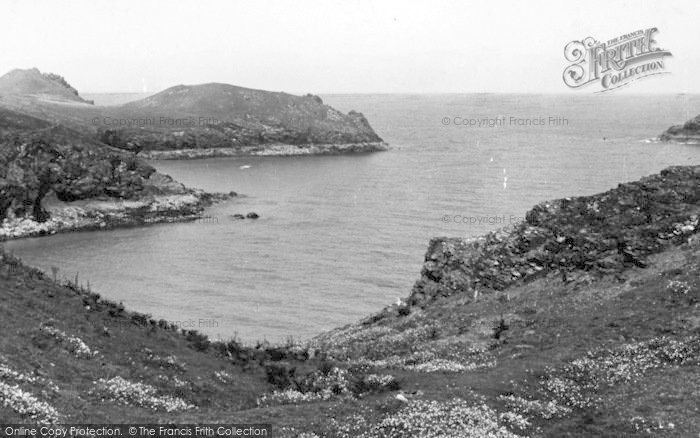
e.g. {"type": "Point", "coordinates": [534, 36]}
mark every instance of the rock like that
{"type": "Point", "coordinates": [237, 216]}
{"type": "Point", "coordinates": [252, 215]}
{"type": "Point", "coordinates": [627, 224]}
{"type": "Point", "coordinates": [689, 132]}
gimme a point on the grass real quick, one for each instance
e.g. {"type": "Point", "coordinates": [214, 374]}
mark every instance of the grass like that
{"type": "Point", "coordinates": [615, 357]}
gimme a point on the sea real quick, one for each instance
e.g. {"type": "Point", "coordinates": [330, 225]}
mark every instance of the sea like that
{"type": "Point", "coordinates": [341, 237]}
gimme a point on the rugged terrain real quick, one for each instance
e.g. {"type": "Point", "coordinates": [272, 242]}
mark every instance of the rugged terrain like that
{"type": "Point", "coordinates": [53, 179]}
{"type": "Point", "coordinates": [66, 164]}
{"type": "Point", "coordinates": [195, 121]}
{"type": "Point", "coordinates": [583, 321]}
{"type": "Point", "coordinates": [689, 132]}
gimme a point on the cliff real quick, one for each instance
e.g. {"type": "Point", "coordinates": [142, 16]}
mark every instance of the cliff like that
{"type": "Point", "coordinates": [196, 119]}
{"type": "Point", "coordinates": [581, 238]}
{"type": "Point", "coordinates": [689, 132]}
{"type": "Point", "coordinates": [54, 179]}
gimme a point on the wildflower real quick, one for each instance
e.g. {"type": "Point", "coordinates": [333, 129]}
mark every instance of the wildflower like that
{"type": "Point", "coordinates": [139, 394]}
{"type": "Point", "coordinates": [24, 403]}
{"type": "Point", "coordinates": [433, 419]}
{"type": "Point", "coordinates": [73, 344]}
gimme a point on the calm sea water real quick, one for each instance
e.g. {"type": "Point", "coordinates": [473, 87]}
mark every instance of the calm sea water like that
{"type": "Point", "coordinates": [341, 237]}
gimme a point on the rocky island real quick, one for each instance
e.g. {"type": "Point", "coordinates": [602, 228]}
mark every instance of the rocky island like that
{"type": "Point", "coordinates": [582, 321]}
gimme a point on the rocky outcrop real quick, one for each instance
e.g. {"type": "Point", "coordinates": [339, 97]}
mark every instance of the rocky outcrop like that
{"type": "Point", "coordinates": [222, 116]}
{"type": "Point", "coordinates": [54, 159]}
{"type": "Point", "coordinates": [579, 238]}
{"type": "Point", "coordinates": [689, 132]}
{"type": "Point", "coordinates": [89, 184]}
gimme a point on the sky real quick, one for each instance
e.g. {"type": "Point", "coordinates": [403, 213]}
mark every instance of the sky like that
{"type": "Point", "coordinates": [336, 46]}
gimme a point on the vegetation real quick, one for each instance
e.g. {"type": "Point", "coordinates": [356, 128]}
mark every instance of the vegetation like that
{"type": "Point", "coordinates": [616, 355]}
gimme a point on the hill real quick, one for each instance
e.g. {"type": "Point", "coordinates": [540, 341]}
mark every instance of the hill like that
{"type": "Point", "coordinates": [33, 82]}
{"type": "Point", "coordinates": [201, 120]}
{"type": "Point", "coordinates": [689, 132]}
{"type": "Point", "coordinates": [603, 340]}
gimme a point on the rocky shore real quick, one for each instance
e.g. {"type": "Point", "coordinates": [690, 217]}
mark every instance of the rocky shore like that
{"type": "Point", "coordinates": [266, 150]}
{"type": "Point", "coordinates": [102, 214]}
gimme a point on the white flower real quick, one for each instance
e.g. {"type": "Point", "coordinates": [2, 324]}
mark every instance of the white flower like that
{"type": "Point", "coordinates": [139, 394]}
{"type": "Point", "coordinates": [24, 403]}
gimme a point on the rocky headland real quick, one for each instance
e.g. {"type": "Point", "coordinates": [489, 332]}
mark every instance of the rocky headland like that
{"type": "Point", "coordinates": [689, 132]}
{"type": "Point", "coordinates": [67, 164]}
{"type": "Point", "coordinates": [195, 121]}
{"type": "Point", "coordinates": [581, 239]}
{"type": "Point", "coordinates": [53, 179]}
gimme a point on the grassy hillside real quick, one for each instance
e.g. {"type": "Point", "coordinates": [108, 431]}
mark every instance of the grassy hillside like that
{"type": "Point", "coordinates": [607, 353]}
{"type": "Point", "coordinates": [42, 84]}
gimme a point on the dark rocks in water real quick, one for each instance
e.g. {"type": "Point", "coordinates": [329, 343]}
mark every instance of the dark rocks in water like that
{"type": "Point", "coordinates": [583, 237]}
{"type": "Point", "coordinates": [238, 216]}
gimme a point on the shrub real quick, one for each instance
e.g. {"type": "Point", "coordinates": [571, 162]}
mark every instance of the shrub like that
{"type": "Point", "coordinates": [500, 328]}
{"type": "Point", "coordinates": [199, 341]}
{"type": "Point", "coordinates": [280, 374]}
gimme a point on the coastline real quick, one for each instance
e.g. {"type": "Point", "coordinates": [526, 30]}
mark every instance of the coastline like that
{"type": "Point", "coordinates": [278, 150]}
{"type": "Point", "coordinates": [402, 356]}
{"type": "Point", "coordinates": [95, 214]}
{"type": "Point", "coordinates": [680, 138]}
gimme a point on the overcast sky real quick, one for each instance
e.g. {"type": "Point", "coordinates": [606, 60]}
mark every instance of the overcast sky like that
{"type": "Point", "coordinates": [329, 46]}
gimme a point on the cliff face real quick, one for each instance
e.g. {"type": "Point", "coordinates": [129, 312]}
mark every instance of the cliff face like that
{"type": "Point", "coordinates": [53, 179]}
{"type": "Point", "coordinates": [37, 159]}
{"type": "Point", "coordinates": [689, 132]}
{"type": "Point", "coordinates": [581, 238]}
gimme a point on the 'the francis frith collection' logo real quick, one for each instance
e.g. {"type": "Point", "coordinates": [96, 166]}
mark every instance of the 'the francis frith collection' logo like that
{"type": "Point", "coordinates": [616, 62]}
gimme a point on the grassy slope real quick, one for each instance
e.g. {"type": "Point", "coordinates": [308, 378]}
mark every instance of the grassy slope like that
{"type": "Point", "coordinates": [30, 299]}
{"type": "Point", "coordinates": [550, 323]}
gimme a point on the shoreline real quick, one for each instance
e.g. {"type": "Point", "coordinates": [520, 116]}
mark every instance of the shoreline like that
{"type": "Point", "coordinates": [95, 214]}
{"type": "Point", "coordinates": [274, 150]}
{"type": "Point", "coordinates": [693, 139]}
